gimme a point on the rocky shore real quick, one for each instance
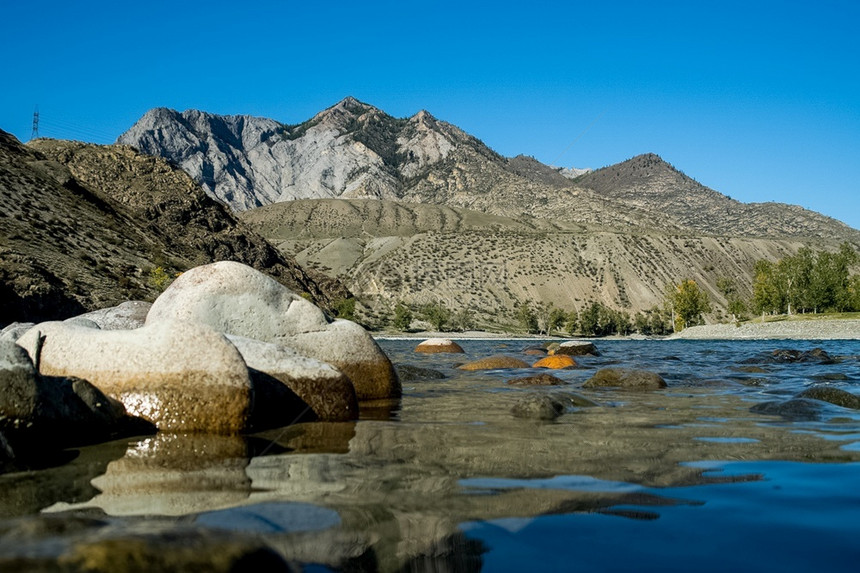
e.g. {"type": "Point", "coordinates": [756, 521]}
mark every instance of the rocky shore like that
{"type": "Point", "coordinates": [814, 329]}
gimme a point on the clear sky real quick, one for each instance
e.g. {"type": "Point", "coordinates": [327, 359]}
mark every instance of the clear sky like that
{"type": "Point", "coordinates": [758, 100]}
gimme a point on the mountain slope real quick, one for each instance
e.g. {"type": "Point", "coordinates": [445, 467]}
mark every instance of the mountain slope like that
{"type": "Point", "coordinates": [387, 252]}
{"type": "Point", "coordinates": [648, 182]}
{"type": "Point", "coordinates": [83, 226]}
{"type": "Point", "coordinates": [354, 150]}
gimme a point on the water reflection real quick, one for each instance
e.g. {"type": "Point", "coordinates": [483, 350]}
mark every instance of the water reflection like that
{"type": "Point", "coordinates": [447, 476]}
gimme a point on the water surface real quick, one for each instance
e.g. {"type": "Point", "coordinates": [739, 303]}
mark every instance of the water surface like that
{"type": "Point", "coordinates": [685, 478]}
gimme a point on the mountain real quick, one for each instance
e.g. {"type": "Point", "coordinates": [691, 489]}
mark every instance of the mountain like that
{"type": "Point", "coordinates": [387, 251]}
{"type": "Point", "coordinates": [354, 150]}
{"type": "Point", "coordinates": [83, 227]}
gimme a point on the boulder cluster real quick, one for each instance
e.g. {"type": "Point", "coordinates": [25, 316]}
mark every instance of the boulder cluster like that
{"type": "Point", "coordinates": [225, 349]}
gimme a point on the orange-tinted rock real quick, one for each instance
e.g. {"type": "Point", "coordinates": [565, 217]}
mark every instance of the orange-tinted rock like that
{"type": "Point", "coordinates": [556, 362]}
{"type": "Point", "coordinates": [497, 362]}
{"type": "Point", "coordinates": [439, 345]}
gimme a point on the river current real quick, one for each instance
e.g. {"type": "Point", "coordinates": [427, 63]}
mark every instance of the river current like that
{"type": "Point", "coordinates": [448, 479]}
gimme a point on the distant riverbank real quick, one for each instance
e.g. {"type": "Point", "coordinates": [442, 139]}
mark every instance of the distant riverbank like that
{"type": "Point", "coordinates": [813, 329]}
{"type": "Point", "coordinates": [821, 329]}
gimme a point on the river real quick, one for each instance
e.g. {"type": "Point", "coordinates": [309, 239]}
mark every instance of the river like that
{"type": "Point", "coordinates": [448, 479]}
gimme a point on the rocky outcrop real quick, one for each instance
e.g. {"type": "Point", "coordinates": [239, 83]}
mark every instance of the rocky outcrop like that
{"type": "Point", "coordinates": [625, 378]}
{"type": "Point", "coordinates": [125, 316]}
{"type": "Point", "coordinates": [237, 300]}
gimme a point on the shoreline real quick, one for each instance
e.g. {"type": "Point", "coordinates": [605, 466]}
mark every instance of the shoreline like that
{"type": "Point", "coordinates": [825, 329]}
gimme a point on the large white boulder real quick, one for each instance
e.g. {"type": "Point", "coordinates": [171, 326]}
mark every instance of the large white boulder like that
{"type": "Point", "coordinates": [180, 376]}
{"type": "Point", "coordinates": [236, 299]}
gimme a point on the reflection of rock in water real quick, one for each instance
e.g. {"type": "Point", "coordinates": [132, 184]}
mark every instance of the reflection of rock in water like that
{"type": "Point", "coordinates": [174, 474]}
{"type": "Point", "coordinates": [30, 492]}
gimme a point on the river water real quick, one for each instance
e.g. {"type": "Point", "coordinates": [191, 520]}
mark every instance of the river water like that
{"type": "Point", "coordinates": [448, 479]}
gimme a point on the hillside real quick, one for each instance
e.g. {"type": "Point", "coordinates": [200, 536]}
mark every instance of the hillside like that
{"type": "Point", "coordinates": [83, 227]}
{"type": "Point", "coordinates": [387, 252]}
{"type": "Point", "coordinates": [354, 150]}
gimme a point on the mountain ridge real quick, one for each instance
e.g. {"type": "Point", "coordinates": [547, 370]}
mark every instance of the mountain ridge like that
{"type": "Point", "coordinates": [355, 150]}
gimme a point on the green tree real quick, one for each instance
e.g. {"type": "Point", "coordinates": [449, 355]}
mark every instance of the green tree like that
{"type": "Point", "coordinates": [345, 308]}
{"type": "Point", "coordinates": [463, 319]}
{"type": "Point", "coordinates": [688, 303]}
{"type": "Point", "coordinates": [557, 318]}
{"type": "Point", "coordinates": [402, 316]}
{"type": "Point", "coordinates": [527, 317]}
{"type": "Point", "coordinates": [571, 322]}
{"type": "Point", "coordinates": [437, 314]}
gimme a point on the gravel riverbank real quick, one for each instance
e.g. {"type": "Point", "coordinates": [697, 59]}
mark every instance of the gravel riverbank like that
{"type": "Point", "coordinates": [825, 329]}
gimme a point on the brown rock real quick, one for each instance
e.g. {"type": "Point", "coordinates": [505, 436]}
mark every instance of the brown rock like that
{"type": "Point", "coordinates": [439, 345]}
{"type": "Point", "coordinates": [497, 362]}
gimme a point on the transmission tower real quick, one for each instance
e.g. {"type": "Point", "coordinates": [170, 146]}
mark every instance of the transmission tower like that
{"type": "Point", "coordinates": [35, 134]}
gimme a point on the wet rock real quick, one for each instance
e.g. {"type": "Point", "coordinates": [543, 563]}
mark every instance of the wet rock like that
{"type": "Point", "coordinates": [497, 362]}
{"type": "Point", "coordinates": [577, 400]}
{"type": "Point", "coordinates": [439, 345]}
{"type": "Point", "coordinates": [815, 355]}
{"type": "Point", "coordinates": [69, 543]}
{"type": "Point", "coordinates": [555, 362]}
{"type": "Point", "coordinates": [40, 414]}
{"type": "Point", "coordinates": [179, 376]}
{"type": "Point", "coordinates": [832, 395]}
{"type": "Point", "coordinates": [236, 299]}
{"type": "Point", "coordinates": [800, 409]}
{"type": "Point", "coordinates": [311, 383]}
{"type": "Point", "coordinates": [538, 407]}
{"type": "Point", "coordinates": [15, 330]}
{"type": "Point", "coordinates": [751, 369]}
{"type": "Point", "coordinates": [539, 380]}
{"type": "Point", "coordinates": [625, 378]}
{"type": "Point", "coordinates": [832, 377]}
{"type": "Point", "coordinates": [410, 373]}
{"type": "Point", "coordinates": [126, 316]}
{"type": "Point", "coordinates": [577, 348]}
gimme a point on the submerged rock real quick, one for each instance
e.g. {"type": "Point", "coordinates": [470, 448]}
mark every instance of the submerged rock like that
{"type": "Point", "coordinates": [410, 373]}
{"type": "Point", "coordinates": [625, 378]}
{"type": "Point", "coordinates": [179, 376]}
{"type": "Point", "coordinates": [439, 345]}
{"type": "Point", "coordinates": [832, 395]}
{"type": "Point", "coordinates": [555, 362]}
{"type": "Point", "coordinates": [815, 355]}
{"type": "Point", "coordinates": [497, 362]}
{"type": "Point", "coordinates": [539, 380]}
{"type": "Point", "coordinates": [236, 299]}
{"type": "Point", "coordinates": [538, 407]}
{"type": "Point", "coordinates": [800, 409]}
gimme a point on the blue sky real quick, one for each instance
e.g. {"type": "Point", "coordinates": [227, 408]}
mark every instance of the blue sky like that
{"type": "Point", "coordinates": [758, 100]}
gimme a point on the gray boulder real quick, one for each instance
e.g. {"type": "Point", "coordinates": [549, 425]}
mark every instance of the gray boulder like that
{"type": "Point", "coordinates": [179, 376]}
{"type": "Point", "coordinates": [312, 385]}
{"type": "Point", "coordinates": [625, 378]}
{"type": "Point", "coordinates": [236, 299]}
{"type": "Point", "coordinates": [126, 316]}
{"type": "Point", "coordinates": [14, 331]}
